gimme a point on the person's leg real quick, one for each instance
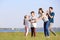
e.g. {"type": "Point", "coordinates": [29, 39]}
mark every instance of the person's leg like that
{"type": "Point", "coordinates": [34, 32]}
{"type": "Point", "coordinates": [51, 30]}
{"type": "Point", "coordinates": [31, 31]}
{"type": "Point", "coordinates": [27, 31]}
{"type": "Point", "coordinates": [44, 28]}
{"type": "Point", "coordinates": [47, 30]}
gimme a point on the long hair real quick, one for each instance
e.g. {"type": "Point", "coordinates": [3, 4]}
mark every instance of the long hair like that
{"type": "Point", "coordinates": [41, 10]}
{"type": "Point", "coordinates": [24, 20]}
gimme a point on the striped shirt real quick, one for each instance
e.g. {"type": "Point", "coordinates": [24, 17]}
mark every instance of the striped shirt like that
{"type": "Point", "coordinates": [33, 19]}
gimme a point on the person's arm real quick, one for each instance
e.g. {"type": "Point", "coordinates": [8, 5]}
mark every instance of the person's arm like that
{"type": "Point", "coordinates": [31, 21]}
{"type": "Point", "coordinates": [47, 12]}
{"type": "Point", "coordinates": [40, 18]}
{"type": "Point", "coordinates": [51, 16]}
{"type": "Point", "coordinates": [36, 19]}
{"type": "Point", "coordinates": [24, 22]}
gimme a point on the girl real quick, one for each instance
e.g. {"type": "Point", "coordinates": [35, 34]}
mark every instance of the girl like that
{"type": "Point", "coordinates": [26, 24]}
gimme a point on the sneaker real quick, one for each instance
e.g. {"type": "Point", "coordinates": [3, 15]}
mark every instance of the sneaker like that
{"type": "Point", "coordinates": [47, 36]}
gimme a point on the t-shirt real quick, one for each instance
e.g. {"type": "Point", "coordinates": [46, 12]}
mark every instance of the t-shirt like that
{"type": "Point", "coordinates": [51, 19]}
{"type": "Point", "coordinates": [33, 19]}
{"type": "Point", "coordinates": [26, 22]}
{"type": "Point", "coordinates": [45, 18]}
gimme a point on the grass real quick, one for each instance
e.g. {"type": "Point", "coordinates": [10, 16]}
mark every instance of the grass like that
{"type": "Point", "coordinates": [20, 36]}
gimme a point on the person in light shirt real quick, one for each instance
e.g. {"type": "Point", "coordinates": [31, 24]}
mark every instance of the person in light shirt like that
{"type": "Point", "coordinates": [26, 24]}
{"type": "Point", "coordinates": [45, 19]}
{"type": "Point", "coordinates": [33, 24]}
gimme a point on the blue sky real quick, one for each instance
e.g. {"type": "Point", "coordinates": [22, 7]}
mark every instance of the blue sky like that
{"type": "Point", "coordinates": [13, 11]}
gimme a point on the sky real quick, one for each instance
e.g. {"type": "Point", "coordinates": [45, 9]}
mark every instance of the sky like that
{"type": "Point", "coordinates": [12, 12]}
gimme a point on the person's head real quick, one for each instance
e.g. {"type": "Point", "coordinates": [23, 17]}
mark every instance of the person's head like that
{"type": "Point", "coordinates": [50, 9]}
{"type": "Point", "coordinates": [26, 17]}
{"type": "Point", "coordinates": [32, 13]}
{"type": "Point", "coordinates": [40, 11]}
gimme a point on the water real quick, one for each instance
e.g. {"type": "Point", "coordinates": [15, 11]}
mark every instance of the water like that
{"type": "Point", "coordinates": [23, 30]}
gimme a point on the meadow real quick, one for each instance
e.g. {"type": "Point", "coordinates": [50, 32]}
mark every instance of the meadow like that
{"type": "Point", "coordinates": [20, 36]}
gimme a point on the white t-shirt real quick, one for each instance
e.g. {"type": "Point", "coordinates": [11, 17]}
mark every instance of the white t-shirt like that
{"type": "Point", "coordinates": [33, 19]}
{"type": "Point", "coordinates": [26, 22]}
{"type": "Point", "coordinates": [45, 18]}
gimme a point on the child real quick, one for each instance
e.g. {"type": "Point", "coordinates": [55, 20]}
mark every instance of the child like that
{"type": "Point", "coordinates": [44, 17]}
{"type": "Point", "coordinates": [26, 23]}
{"type": "Point", "coordinates": [51, 19]}
{"type": "Point", "coordinates": [33, 24]}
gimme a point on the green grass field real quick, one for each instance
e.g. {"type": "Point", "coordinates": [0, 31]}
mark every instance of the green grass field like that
{"type": "Point", "coordinates": [20, 36]}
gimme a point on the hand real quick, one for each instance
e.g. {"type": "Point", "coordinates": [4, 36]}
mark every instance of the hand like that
{"type": "Point", "coordinates": [29, 20]}
{"type": "Point", "coordinates": [47, 12]}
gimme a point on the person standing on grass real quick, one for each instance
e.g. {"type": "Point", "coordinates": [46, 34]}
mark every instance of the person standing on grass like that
{"type": "Point", "coordinates": [51, 15]}
{"type": "Point", "coordinates": [33, 24]}
{"type": "Point", "coordinates": [45, 19]}
{"type": "Point", "coordinates": [26, 24]}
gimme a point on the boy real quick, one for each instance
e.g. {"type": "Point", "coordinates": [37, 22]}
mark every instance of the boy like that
{"type": "Point", "coordinates": [33, 24]}
{"type": "Point", "coordinates": [51, 19]}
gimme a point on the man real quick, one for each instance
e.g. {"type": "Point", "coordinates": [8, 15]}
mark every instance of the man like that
{"type": "Point", "coordinates": [51, 19]}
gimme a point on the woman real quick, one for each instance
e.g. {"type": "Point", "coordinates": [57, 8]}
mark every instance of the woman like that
{"type": "Point", "coordinates": [44, 17]}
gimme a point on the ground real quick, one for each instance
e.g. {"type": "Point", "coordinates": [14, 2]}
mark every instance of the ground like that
{"type": "Point", "coordinates": [20, 36]}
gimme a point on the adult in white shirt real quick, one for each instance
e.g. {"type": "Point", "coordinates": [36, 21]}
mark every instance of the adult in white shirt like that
{"type": "Point", "coordinates": [44, 17]}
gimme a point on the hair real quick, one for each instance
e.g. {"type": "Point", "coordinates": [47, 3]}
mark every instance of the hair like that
{"type": "Point", "coordinates": [51, 7]}
{"type": "Point", "coordinates": [24, 19]}
{"type": "Point", "coordinates": [41, 10]}
{"type": "Point", "coordinates": [32, 12]}
{"type": "Point", "coordinates": [25, 16]}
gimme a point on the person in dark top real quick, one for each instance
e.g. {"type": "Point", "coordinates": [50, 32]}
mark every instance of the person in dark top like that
{"type": "Point", "coordinates": [51, 15]}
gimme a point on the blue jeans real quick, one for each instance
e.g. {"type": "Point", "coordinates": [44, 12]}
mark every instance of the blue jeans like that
{"type": "Point", "coordinates": [46, 30]}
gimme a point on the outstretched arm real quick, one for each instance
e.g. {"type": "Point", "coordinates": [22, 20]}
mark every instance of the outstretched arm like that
{"type": "Point", "coordinates": [39, 18]}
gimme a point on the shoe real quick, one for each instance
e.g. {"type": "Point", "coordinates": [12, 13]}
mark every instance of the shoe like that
{"type": "Point", "coordinates": [47, 36]}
